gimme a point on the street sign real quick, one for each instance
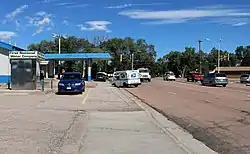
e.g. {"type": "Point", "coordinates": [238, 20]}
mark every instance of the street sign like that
{"type": "Point", "coordinates": [25, 55]}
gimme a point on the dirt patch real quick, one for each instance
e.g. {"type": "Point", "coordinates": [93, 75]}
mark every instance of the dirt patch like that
{"type": "Point", "coordinates": [91, 84]}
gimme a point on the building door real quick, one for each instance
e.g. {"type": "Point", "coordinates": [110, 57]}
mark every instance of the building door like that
{"type": "Point", "coordinates": [23, 74]}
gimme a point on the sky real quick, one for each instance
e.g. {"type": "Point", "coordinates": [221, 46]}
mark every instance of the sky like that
{"type": "Point", "coordinates": [168, 24]}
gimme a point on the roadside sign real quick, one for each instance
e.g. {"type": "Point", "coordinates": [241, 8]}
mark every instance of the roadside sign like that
{"type": "Point", "coordinates": [25, 55]}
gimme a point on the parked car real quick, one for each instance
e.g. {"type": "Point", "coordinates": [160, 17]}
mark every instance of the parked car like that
{"type": "Point", "coordinates": [245, 78]}
{"type": "Point", "coordinates": [101, 76]}
{"type": "Point", "coordinates": [169, 76]}
{"type": "Point", "coordinates": [215, 79]}
{"type": "Point", "coordinates": [194, 77]}
{"type": "Point", "coordinates": [71, 82]}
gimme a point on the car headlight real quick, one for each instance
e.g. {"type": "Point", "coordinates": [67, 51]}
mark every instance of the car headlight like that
{"type": "Point", "coordinates": [60, 84]}
{"type": "Point", "coordinates": [78, 84]}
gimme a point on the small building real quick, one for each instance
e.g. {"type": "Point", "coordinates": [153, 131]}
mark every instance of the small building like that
{"type": "Point", "coordinates": [5, 71]}
{"type": "Point", "coordinates": [20, 69]}
{"type": "Point", "coordinates": [234, 72]}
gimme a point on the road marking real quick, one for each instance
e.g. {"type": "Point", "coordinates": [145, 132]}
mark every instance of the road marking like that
{"type": "Point", "coordinates": [86, 94]}
{"type": "Point", "coordinates": [15, 94]}
{"type": "Point", "coordinates": [172, 93]}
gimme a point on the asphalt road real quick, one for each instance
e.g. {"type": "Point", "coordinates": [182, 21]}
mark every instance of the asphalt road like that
{"type": "Point", "coordinates": [218, 116]}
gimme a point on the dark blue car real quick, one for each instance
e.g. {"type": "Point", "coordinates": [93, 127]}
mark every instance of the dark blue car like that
{"type": "Point", "coordinates": [71, 82]}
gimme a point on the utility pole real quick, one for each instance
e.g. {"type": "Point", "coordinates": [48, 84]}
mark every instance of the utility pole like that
{"type": "Point", "coordinates": [219, 45]}
{"type": "Point", "coordinates": [200, 52]}
{"type": "Point", "coordinates": [132, 60]}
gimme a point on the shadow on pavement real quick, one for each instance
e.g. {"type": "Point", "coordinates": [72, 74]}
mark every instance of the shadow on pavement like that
{"type": "Point", "coordinates": [69, 93]}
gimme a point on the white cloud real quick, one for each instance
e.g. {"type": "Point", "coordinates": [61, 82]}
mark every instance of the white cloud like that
{"type": "Point", "coordinates": [17, 11]}
{"type": "Point", "coordinates": [119, 6]}
{"type": "Point", "coordinates": [38, 31]}
{"type": "Point", "coordinates": [160, 22]}
{"type": "Point", "coordinates": [47, 1]}
{"type": "Point", "coordinates": [64, 4]}
{"type": "Point", "coordinates": [95, 26]}
{"type": "Point", "coordinates": [42, 20]}
{"type": "Point", "coordinates": [231, 21]}
{"type": "Point", "coordinates": [7, 35]}
{"type": "Point", "coordinates": [130, 5]}
{"type": "Point", "coordinates": [65, 22]}
{"type": "Point", "coordinates": [180, 16]}
{"type": "Point", "coordinates": [17, 25]}
{"type": "Point", "coordinates": [76, 6]}
{"type": "Point", "coordinates": [240, 24]}
{"type": "Point", "coordinates": [42, 13]}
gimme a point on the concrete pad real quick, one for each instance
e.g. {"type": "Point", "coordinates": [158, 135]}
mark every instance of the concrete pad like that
{"type": "Point", "coordinates": [103, 120]}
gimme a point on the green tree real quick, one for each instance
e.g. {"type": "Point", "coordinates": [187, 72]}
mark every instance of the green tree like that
{"type": "Point", "coordinates": [243, 55]}
{"type": "Point", "coordinates": [144, 54]}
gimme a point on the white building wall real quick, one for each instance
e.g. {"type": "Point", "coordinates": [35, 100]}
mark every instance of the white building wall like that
{"type": "Point", "coordinates": [4, 65]}
{"type": "Point", "coordinates": [37, 69]}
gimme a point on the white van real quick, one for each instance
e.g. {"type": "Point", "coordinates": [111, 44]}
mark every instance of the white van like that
{"type": "Point", "coordinates": [144, 74]}
{"type": "Point", "coordinates": [126, 78]}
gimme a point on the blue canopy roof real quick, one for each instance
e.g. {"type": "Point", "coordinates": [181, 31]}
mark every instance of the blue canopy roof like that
{"type": "Point", "coordinates": [66, 56]}
{"type": "Point", "coordinates": [10, 47]}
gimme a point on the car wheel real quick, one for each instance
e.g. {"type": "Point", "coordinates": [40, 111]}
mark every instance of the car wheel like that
{"type": "Point", "coordinates": [125, 85]}
{"type": "Point", "coordinates": [224, 85]}
{"type": "Point", "coordinates": [136, 85]}
{"type": "Point", "coordinates": [149, 80]}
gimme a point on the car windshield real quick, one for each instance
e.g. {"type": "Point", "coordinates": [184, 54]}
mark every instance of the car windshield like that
{"type": "Point", "coordinates": [221, 75]}
{"type": "Point", "coordinates": [171, 73]}
{"type": "Point", "coordinates": [143, 71]}
{"type": "Point", "coordinates": [71, 77]}
{"type": "Point", "coordinates": [246, 75]}
{"type": "Point", "coordinates": [100, 74]}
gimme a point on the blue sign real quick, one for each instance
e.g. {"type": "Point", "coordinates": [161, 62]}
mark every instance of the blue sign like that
{"type": "Point", "coordinates": [133, 75]}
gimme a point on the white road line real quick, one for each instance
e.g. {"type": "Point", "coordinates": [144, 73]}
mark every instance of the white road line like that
{"type": "Point", "coordinates": [86, 94]}
{"type": "Point", "coordinates": [15, 94]}
{"type": "Point", "coordinates": [172, 93]}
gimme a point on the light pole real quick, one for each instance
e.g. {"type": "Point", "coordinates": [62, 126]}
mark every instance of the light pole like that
{"type": "Point", "coordinates": [199, 41]}
{"type": "Point", "coordinates": [219, 48]}
{"type": "Point", "coordinates": [59, 48]}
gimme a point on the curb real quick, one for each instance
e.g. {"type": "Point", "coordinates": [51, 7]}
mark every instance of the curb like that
{"type": "Point", "coordinates": [187, 142]}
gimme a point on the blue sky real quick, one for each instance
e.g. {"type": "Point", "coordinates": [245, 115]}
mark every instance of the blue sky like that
{"type": "Point", "coordinates": [169, 24]}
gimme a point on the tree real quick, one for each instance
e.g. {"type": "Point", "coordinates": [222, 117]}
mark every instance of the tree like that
{"type": "Point", "coordinates": [144, 54]}
{"type": "Point", "coordinates": [243, 55]}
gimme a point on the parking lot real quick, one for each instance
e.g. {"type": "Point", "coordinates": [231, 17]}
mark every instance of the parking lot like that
{"type": "Point", "coordinates": [217, 116]}
{"type": "Point", "coordinates": [104, 120]}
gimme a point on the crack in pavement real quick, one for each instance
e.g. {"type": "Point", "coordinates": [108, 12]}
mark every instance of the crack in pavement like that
{"type": "Point", "coordinates": [57, 143]}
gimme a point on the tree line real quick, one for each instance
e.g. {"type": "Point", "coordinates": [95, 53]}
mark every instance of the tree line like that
{"type": "Point", "coordinates": [121, 49]}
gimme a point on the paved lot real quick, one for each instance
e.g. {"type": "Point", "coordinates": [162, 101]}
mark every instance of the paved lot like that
{"type": "Point", "coordinates": [215, 115]}
{"type": "Point", "coordinates": [104, 120]}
